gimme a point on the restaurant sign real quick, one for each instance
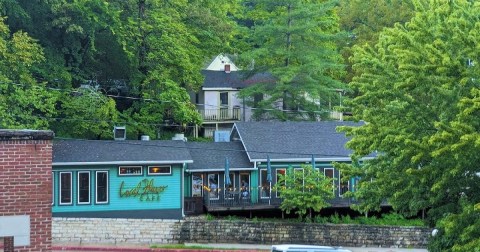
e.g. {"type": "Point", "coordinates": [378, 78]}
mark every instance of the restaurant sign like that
{"type": "Point", "coordinates": [145, 190]}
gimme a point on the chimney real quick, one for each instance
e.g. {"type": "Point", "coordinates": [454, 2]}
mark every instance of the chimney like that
{"type": "Point", "coordinates": [227, 68]}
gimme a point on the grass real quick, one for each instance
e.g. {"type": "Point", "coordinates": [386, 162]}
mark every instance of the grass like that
{"type": "Point", "coordinates": [183, 246]}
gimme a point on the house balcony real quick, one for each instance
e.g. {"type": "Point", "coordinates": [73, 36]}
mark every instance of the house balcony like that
{"type": "Point", "coordinates": [220, 115]}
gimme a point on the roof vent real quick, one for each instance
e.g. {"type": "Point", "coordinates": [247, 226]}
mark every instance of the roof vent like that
{"type": "Point", "coordinates": [119, 132]}
{"type": "Point", "coordinates": [145, 138]}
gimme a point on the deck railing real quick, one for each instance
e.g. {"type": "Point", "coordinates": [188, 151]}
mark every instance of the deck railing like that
{"type": "Point", "coordinates": [251, 198]}
{"type": "Point", "coordinates": [219, 115]}
{"type": "Point", "coordinates": [254, 198]}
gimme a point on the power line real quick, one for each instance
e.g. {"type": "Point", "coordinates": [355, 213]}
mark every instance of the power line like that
{"type": "Point", "coordinates": [166, 101]}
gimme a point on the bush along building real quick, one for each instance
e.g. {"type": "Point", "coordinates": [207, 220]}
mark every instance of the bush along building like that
{"type": "Point", "coordinates": [168, 179]}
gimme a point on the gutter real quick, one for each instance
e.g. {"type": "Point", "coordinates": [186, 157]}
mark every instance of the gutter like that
{"type": "Point", "coordinates": [121, 163]}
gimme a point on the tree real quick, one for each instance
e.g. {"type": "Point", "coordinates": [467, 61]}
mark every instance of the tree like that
{"type": "Point", "coordinates": [86, 113]}
{"type": "Point", "coordinates": [365, 19]}
{"type": "Point", "coordinates": [171, 106]}
{"type": "Point", "coordinates": [294, 41]}
{"type": "Point", "coordinates": [304, 190]}
{"type": "Point", "coordinates": [24, 103]}
{"type": "Point", "coordinates": [170, 41]}
{"type": "Point", "coordinates": [418, 94]}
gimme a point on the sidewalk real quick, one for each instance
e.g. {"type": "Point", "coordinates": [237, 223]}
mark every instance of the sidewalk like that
{"type": "Point", "coordinates": [212, 248]}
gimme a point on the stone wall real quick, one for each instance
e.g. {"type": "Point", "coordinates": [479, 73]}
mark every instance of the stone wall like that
{"type": "Point", "coordinates": [26, 182]}
{"type": "Point", "coordinates": [154, 231]}
{"type": "Point", "coordinates": [109, 230]}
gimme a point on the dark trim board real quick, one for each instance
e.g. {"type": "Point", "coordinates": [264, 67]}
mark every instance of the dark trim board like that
{"type": "Point", "coordinates": [175, 214]}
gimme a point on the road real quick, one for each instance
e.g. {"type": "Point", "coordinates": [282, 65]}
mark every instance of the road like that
{"type": "Point", "coordinates": [212, 246]}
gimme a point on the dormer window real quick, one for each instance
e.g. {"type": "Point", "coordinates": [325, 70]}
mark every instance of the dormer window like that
{"type": "Point", "coordinates": [227, 68]}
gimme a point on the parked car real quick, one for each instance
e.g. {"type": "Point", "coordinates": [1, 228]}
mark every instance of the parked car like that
{"type": "Point", "coordinates": [306, 248]}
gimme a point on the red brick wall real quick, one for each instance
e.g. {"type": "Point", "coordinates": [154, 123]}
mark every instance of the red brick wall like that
{"type": "Point", "coordinates": [26, 185]}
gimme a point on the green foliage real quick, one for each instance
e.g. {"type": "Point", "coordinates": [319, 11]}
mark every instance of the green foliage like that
{"type": "Point", "coordinates": [365, 19]}
{"type": "Point", "coordinates": [418, 92]}
{"type": "Point", "coordinates": [304, 190]}
{"type": "Point", "coordinates": [385, 220]}
{"type": "Point", "coordinates": [210, 217]}
{"type": "Point", "coordinates": [24, 103]}
{"type": "Point", "coordinates": [86, 113]}
{"type": "Point", "coordinates": [294, 41]}
{"type": "Point", "coordinates": [232, 218]}
{"type": "Point", "coordinates": [458, 232]}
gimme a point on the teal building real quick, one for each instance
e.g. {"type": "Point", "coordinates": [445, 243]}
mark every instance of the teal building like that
{"type": "Point", "coordinates": [119, 179]}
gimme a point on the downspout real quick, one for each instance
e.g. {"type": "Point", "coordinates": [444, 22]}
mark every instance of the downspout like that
{"type": "Point", "coordinates": [182, 190]}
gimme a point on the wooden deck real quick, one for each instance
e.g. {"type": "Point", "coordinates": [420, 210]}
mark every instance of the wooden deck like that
{"type": "Point", "coordinates": [235, 202]}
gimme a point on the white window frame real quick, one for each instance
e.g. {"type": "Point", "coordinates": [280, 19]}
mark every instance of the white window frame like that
{"type": "Point", "coordinates": [129, 167]}
{"type": "Point", "coordinates": [106, 188]}
{"type": "Point", "coordinates": [78, 187]}
{"type": "Point", "coordinates": [333, 177]}
{"type": "Point", "coordinates": [159, 173]}
{"type": "Point", "coordinates": [276, 178]}
{"type": "Point", "coordinates": [222, 105]}
{"type": "Point", "coordinates": [227, 193]}
{"type": "Point", "coordinates": [340, 184]}
{"type": "Point", "coordinates": [216, 174]}
{"type": "Point", "coordinates": [201, 184]}
{"type": "Point", "coordinates": [60, 202]}
{"type": "Point", "coordinates": [261, 185]}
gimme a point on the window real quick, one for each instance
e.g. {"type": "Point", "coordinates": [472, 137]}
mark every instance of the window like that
{"type": "Point", "coordinates": [130, 171]}
{"type": "Point", "coordinates": [245, 184]}
{"type": "Point", "coordinates": [299, 175]}
{"type": "Point", "coordinates": [265, 185]}
{"type": "Point", "coordinates": [280, 173]}
{"type": "Point", "coordinates": [329, 172]}
{"type": "Point", "coordinates": [83, 187]}
{"type": "Point", "coordinates": [159, 170]}
{"type": "Point", "coordinates": [101, 187]}
{"type": "Point", "coordinates": [197, 185]}
{"type": "Point", "coordinates": [224, 99]}
{"type": "Point", "coordinates": [344, 185]}
{"type": "Point", "coordinates": [230, 188]}
{"type": "Point", "coordinates": [257, 98]}
{"type": "Point", "coordinates": [213, 185]}
{"type": "Point", "coordinates": [65, 188]}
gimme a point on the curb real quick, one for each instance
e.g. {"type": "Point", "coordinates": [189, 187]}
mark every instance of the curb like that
{"type": "Point", "coordinates": [134, 249]}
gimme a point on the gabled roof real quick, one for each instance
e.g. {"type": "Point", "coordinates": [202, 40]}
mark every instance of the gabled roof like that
{"type": "Point", "coordinates": [218, 63]}
{"type": "Point", "coordinates": [97, 152]}
{"type": "Point", "coordinates": [236, 80]}
{"type": "Point", "coordinates": [211, 156]}
{"type": "Point", "coordinates": [293, 141]}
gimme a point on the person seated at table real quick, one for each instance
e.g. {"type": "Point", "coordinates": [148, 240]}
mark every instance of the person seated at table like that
{"type": "Point", "coordinates": [244, 189]}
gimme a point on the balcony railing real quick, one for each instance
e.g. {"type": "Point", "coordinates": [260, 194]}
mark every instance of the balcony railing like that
{"type": "Point", "coordinates": [253, 199]}
{"type": "Point", "coordinates": [219, 115]}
